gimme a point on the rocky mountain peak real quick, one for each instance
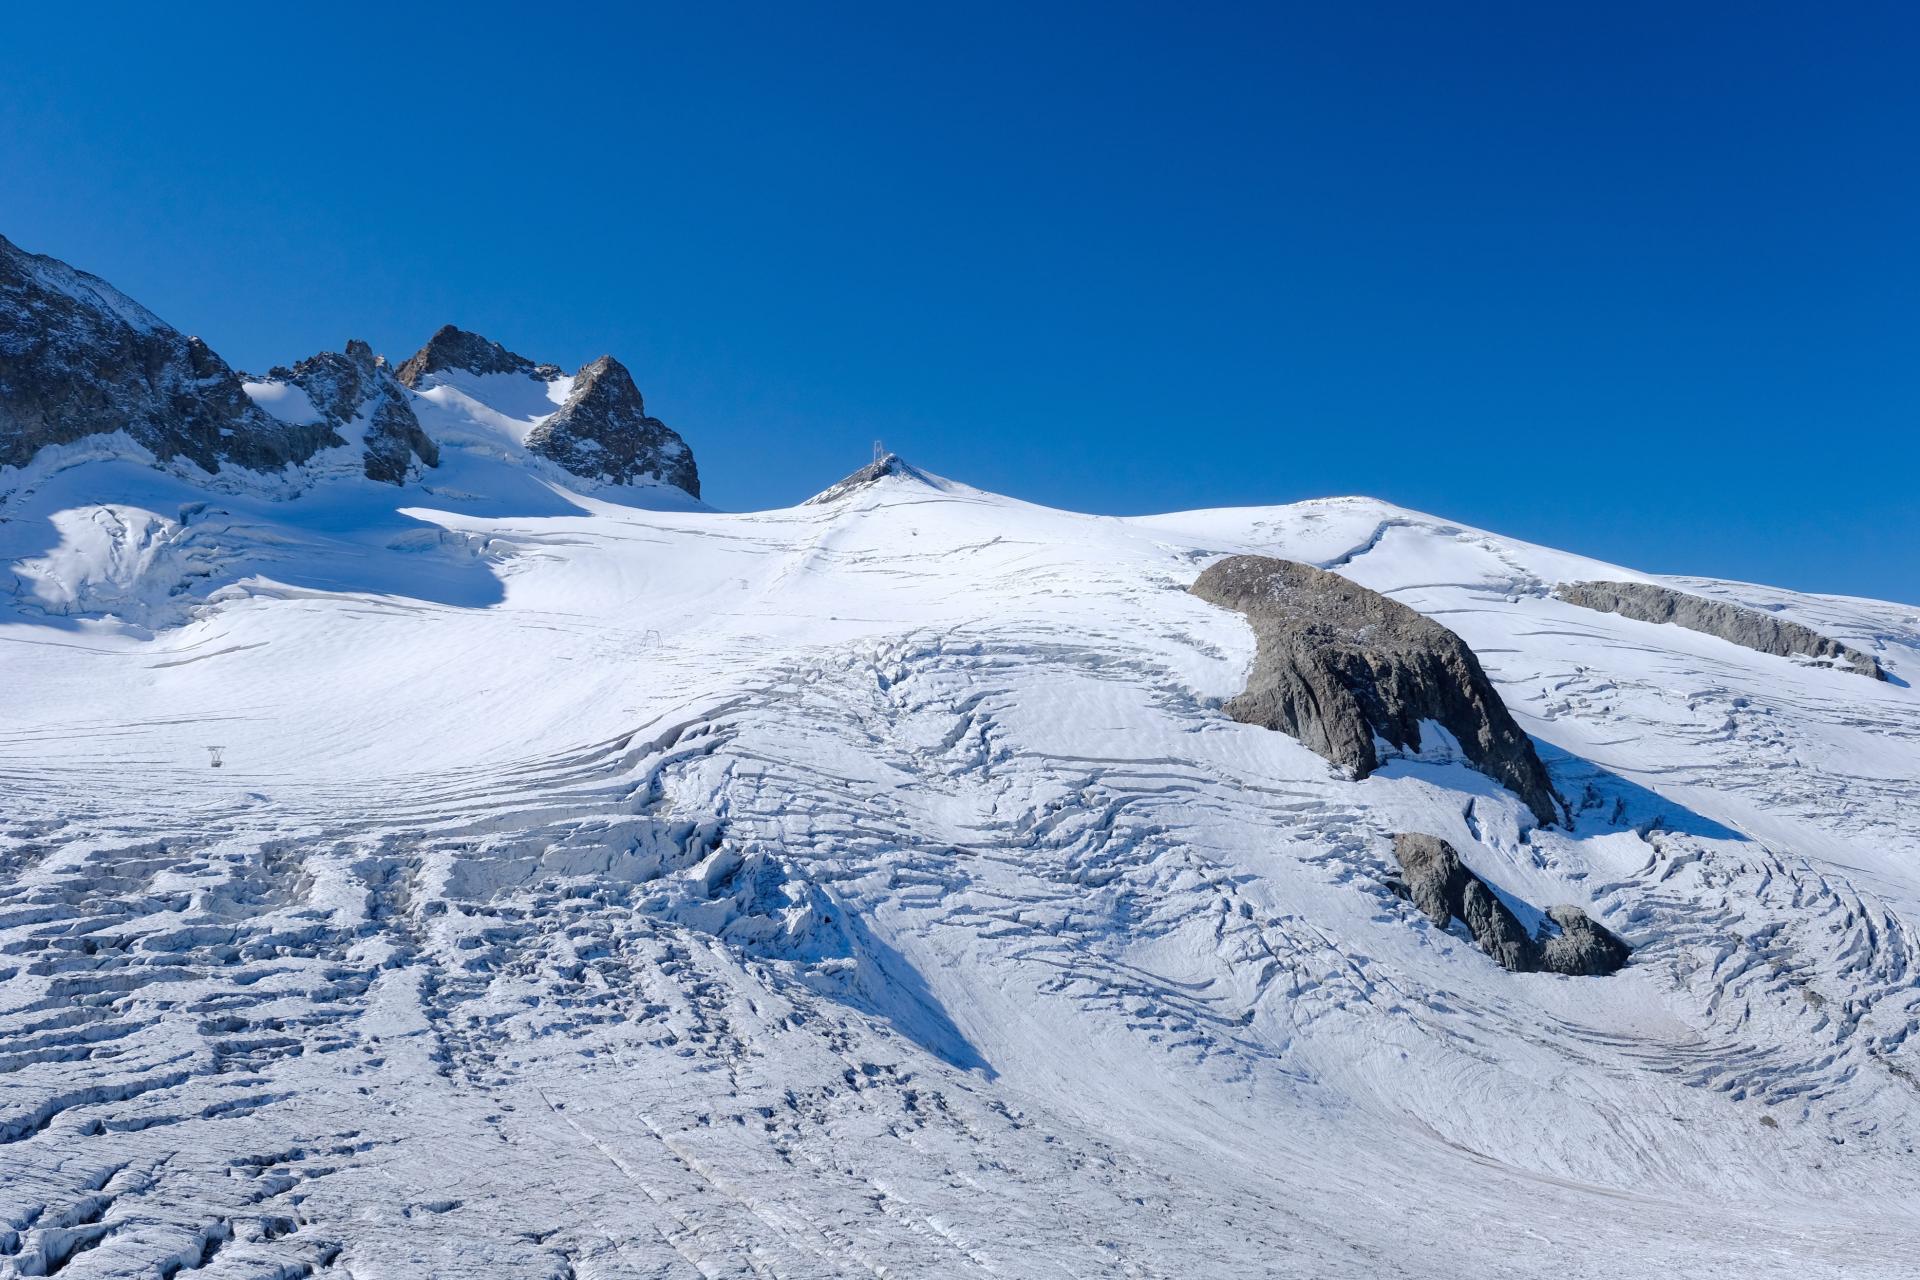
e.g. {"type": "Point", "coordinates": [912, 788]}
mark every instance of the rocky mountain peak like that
{"type": "Point", "coordinates": [355, 395]}
{"type": "Point", "coordinates": [79, 358]}
{"type": "Point", "coordinates": [456, 348]}
{"type": "Point", "coordinates": [603, 432]}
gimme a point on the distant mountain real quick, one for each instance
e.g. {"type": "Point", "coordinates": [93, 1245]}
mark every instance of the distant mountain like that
{"type": "Point", "coordinates": [600, 429]}
{"type": "Point", "coordinates": [82, 362]}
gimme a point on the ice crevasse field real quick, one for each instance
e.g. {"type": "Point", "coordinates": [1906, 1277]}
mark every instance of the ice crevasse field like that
{"type": "Point", "coordinates": [595, 884]}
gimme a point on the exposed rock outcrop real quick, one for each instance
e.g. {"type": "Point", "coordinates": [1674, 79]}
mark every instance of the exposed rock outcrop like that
{"type": "Point", "coordinates": [890, 465]}
{"type": "Point", "coordinates": [1581, 948]}
{"type": "Point", "coordinates": [1645, 602]}
{"type": "Point", "coordinates": [603, 432]}
{"type": "Point", "coordinates": [456, 348]}
{"type": "Point", "coordinates": [79, 358]}
{"type": "Point", "coordinates": [1442, 887]}
{"type": "Point", "coordinates": [1339, 665]}
{"type": "Point", "coordinates": [357, 396]}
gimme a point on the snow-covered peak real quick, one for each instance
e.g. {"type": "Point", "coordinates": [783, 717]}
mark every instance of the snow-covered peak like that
{"type": "Point", "coordinates": [890, 468]}
{"type": "Point", "coordinates": [590, 429]}
{"type": "Point", "coordinates": [80, 361]}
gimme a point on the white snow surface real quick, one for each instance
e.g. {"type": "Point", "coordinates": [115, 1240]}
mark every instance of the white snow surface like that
{"type": "Point", "coordinates": [283, 400]}
{"type": "Point", "coordinates": [875, 888]}
{"type": "Point", "coordinates": [488, 407]}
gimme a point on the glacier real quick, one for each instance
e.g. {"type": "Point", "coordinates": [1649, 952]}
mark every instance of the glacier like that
{"type": "Point", "coordinates": [502, 863]}
{"type": "Point", "coordinates": [876, 887]}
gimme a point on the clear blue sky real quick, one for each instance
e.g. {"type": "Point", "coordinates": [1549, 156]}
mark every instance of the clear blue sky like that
{"type": "Point", "coordinates": [1638, 280]}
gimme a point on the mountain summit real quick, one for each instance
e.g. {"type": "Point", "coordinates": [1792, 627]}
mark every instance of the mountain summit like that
{"type": "Point", "coordinates": [603, 431]}
{"type": "Point", "coordinates": [81, 361]}
{"type": "Point", "coordinates": [455, 348]}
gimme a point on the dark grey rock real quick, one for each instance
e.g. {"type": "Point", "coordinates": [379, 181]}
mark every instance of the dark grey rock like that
{"type": "Point", "coordinates": [1435, 877]}
{"type": "Point", "coordinates": [346, 387]}
{"type": "Point", "coordinates": [1442, 887]}
{"type": "Point", "coordinates": [455, 348]}
{"type": "Point", "coordinates": [79, 358]}
{"type": "Point", "coordinates": [1338, 665]}
{"type": "Point", "coordinates": [1751, 628]}
{"type": "Point", "coordinates": [1582, 948]}
{"type": "Point", "coordinates": [1497, 930]}
{"type": "Point", "coordinates": [603, 431]}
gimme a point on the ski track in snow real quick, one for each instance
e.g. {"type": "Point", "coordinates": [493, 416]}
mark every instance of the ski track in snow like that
{"type": "Point", "coordinates": [875, 889]}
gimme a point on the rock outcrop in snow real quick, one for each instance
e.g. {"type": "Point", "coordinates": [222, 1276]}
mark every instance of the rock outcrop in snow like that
{"type": "Point", "coordinates": [879, 469]}
{"type": "Point", "coordinates": [359, 399]}
{"type": "Point", "coordinates": [1442, 887]}
{"type": "Point", "coordinates": [603, 432]}
{"type": "Point", "coordinates": [1339, 666]}
{"type": "Point", "coordinates": [1582, 948]}
{"type": "Point", "coordinates": [79, 358]}
{"type": "Point", "coordinates": [1645, 602]}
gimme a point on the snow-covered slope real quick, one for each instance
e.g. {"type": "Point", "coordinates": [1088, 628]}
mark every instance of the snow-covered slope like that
{"type": "Point", "coordinates": [875, 888]}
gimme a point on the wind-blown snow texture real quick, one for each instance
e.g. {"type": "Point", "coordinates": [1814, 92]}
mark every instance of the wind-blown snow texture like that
{"type": "Point", "coordinates": [432, 843]}
{"type": "Point", "coordinates": [876, 888]}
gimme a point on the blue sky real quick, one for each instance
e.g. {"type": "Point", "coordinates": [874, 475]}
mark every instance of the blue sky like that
{"type": "Point", "coordinates": [1635, 280]}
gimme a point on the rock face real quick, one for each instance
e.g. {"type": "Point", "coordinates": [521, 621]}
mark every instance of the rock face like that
{"type": "Point", "coordinates": [1442, 887]}
{"type": "Point", "coordinates": [603, 432]}
{"type": "Point", "coordinates": [455, 348]}
{"type": "Point", "coordinates": [1763, 632]}
{"type": "Point", "coordinates": [79, 358]}
{"type": "Point", "coordinates": [355, 394]}
{"type": "Point", "coordinates": [1338, 665]}
{"type": "Point", "coordinates": [1581, 948]}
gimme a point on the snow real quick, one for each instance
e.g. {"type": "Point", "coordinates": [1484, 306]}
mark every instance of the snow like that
{"type": "Point", "coordinates": [284, 400]}
{"type": "Point", "coordinates": [876, 888]}
{"type": "Point", "coordinates": [92, 291]}
{"type": "Point", "coordinates": [510, 405]}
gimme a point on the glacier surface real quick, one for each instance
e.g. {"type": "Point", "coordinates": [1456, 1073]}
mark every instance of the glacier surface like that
{"type": "Point", "coordinates": [876, 888]}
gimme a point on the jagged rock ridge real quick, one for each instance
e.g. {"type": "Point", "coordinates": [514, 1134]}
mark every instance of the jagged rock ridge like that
{"type": "Point", "coordinates": [1751, 628]}
{"type": "Point", "coordinates": [452, 347]}
{"type": "Point", "coordinates": [1442, 887]}
{"type": "Point", "coordinates": [1339, 665]}
{"type": "Point", "coordinates": [603, 431]}
{"type": "Point", "coordinates": [354, 387]}
{"type": "Point", "coordinates": [79, 358]}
